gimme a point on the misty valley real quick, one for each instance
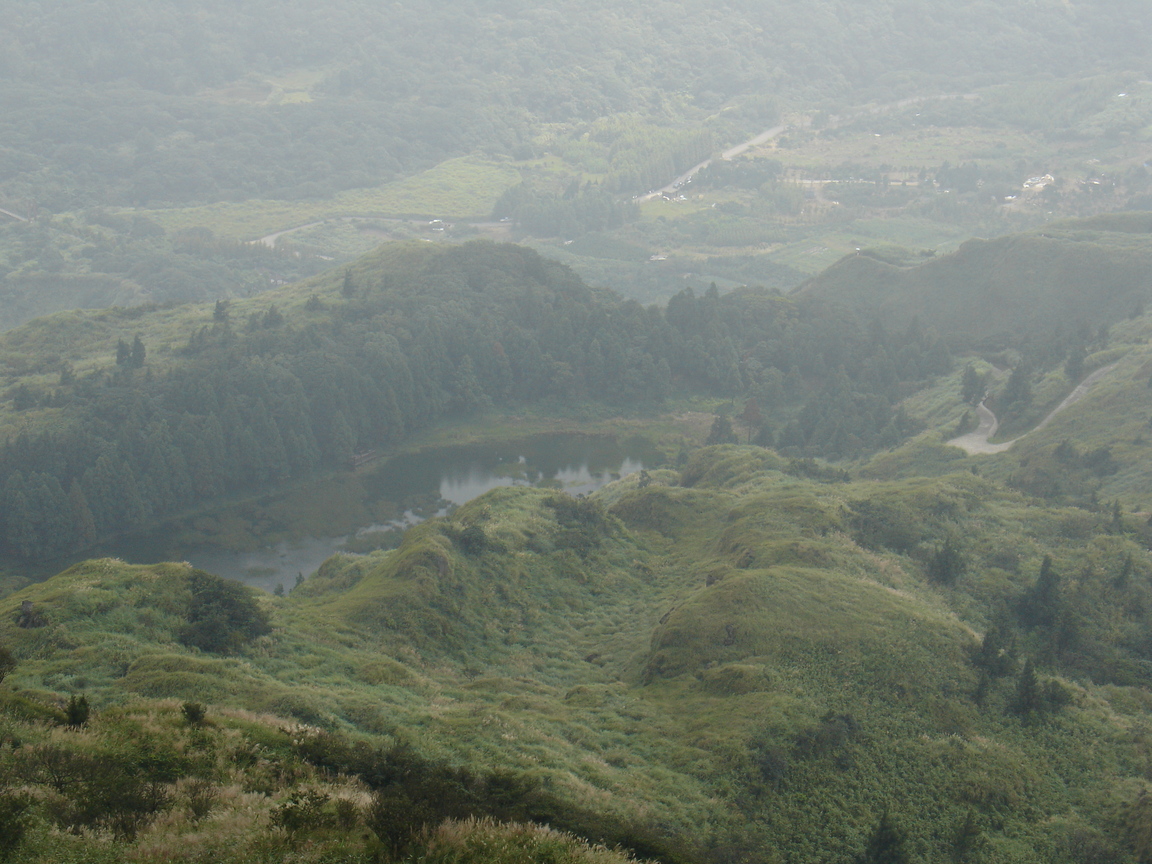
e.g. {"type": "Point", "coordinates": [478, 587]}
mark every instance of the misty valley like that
{"type": "Point", "coordinates": [551, 433]}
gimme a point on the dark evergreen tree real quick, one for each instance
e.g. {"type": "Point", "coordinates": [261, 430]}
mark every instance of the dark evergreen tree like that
{"type": "Point", "coordinates": [995, 654]}
{"type": "Point", "coordinates": [1018, 390]}
{"type": "Point", "coordinates": [272, 319]}
{"type": "Point", "coordinates": [136, 359]}
{"type": "Point", "coordinates": [1116, 524]}
{"type": "Point", "coordinates": [947, 563]}
{"type": "Point", "coordinates": [1124, 577]}
{"type": "Point", "coordinates": [23, 398]}
{"type": "Point", "coordinates": [1041, 604]}
{"type": "Point", "coordinates": [77, 711]}
{"type": "Point", "coordinates": [972, 385]}
{"type": "Point", "coordinates": [887, 845]}
{"type": "Point", "coordinates": [1028, 699]}
{"type": "Point", "coordinates": [967, 838]}
{"type": "Point", "coordinates": [1074, 365]}
{"type": "Point", "coordinates": [752, 419]}
{"type": "Point", "coordinates": [721, 432]}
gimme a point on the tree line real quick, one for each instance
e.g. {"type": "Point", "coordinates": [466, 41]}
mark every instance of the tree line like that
{"type": "Point", "coordinates": [392, 347]}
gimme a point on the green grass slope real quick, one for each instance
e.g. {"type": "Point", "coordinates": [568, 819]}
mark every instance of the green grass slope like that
{"type": "Point", "coordinates": [722, 663]}
{"type": "Point", "coordinates": [1092, 453]}
{"type": "Point", "coordinates": [1091, 272]}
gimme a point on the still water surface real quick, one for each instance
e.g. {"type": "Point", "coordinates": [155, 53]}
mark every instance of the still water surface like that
{"type": "Point", "coordinates": [433, 481]}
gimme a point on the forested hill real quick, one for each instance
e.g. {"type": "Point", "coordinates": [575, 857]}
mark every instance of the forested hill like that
{"type": "Point", "coordinates": [599, 49]}
{"type": "Point", "coordinates": [131, 102]}
{"type": "Point", "coordinates": [1088, 272]}
{"type": "Point", "coordinates": [121, 417]}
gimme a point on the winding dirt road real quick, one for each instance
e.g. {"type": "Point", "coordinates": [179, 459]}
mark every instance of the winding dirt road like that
{"type": "Point", "coordinates": [977, 442]}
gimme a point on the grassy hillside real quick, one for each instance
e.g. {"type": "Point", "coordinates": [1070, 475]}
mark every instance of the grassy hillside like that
{"type": "Point", "coordinates": [1092, 453]}
{"type": "Point", "coordinates": [729, 661]}
{"type": "Point", "coordinates": [1061, 277]}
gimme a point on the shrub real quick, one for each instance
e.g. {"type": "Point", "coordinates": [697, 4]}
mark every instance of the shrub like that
{"type": "Point", "coordinates": [13, 822]}
{"type": "Point", "coordinates": [880, 525]}
{"type": "Point", "coordinates": [301, 811]}
{"type": "Point", "coordinates": [194, 713]}
{"type": "Point", "coordinates": [347, 814]}
{"type": "Point", "coordinates": [395, 818]}
{"type": "Point", "coordinates": [7, 662]}
{"type": "Point", "coordinates": [222, 616]}
{"type": "Point", "coordinates": [201, 796]}
{"type": "Point", "coordinates": [105, 791]}
{"type": "Point", "coordinates": [77, 711]}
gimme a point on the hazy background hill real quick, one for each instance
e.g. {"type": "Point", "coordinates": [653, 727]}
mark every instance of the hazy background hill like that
{"type": "Point", "coordinates": [1062, 277]}
{"type": "Point", "coordinates": [151, 143]}
{"type": "Point", "coordinates": [130, 102]}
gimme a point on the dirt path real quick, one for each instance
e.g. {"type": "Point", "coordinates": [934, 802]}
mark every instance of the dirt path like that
{"type": "Point", "coordinates": [977, 442]}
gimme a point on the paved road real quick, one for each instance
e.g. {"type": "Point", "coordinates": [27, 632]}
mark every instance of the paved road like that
{"type": "Point", "coordinates": [269, 240]}
{"type": "Point", "coordinates": [763, 138]}
{"type": "Point", "coordinates": [776, 131]}
{"type": "Point", "coordinates": [731, 153]}
{"type": "Point", "coordinates": [977, 442]}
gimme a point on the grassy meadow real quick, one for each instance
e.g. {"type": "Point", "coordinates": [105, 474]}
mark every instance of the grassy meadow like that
{"type": "Point", "coordinates": [731, 655]}
{"type": "Point", "coordinates": [461, 188]}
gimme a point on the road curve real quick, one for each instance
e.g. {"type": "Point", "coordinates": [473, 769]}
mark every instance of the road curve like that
{"type": "Point", "coordinates": [975, 443]}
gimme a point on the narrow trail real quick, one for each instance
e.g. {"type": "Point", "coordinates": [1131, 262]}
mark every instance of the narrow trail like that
{"type": "Point", "coordinates": [975, 443]}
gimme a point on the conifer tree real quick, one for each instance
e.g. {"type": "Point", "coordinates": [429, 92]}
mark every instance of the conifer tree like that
{"type": "Point", "coordinates": [136, 359]}
{"type": "Point", "coordinates": [1029, 699]}
{"type": "Point", "coordinates": [947, 563]}
{"type": "Point", "coordinates": [887, 845]}
{"type": "Point", "coordinates": [1042, 602]}
{"type": "Point", "coordinates": [721, 432]}
{"type": "Point", "coordinates": [972, 385]}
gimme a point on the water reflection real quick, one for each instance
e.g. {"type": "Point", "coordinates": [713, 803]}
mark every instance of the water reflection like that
{"type": "Point", "coordinates": [430, 483]}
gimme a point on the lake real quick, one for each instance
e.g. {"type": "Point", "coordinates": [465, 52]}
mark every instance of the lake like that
{"type": "Point", "coordinates": [430, 483]}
